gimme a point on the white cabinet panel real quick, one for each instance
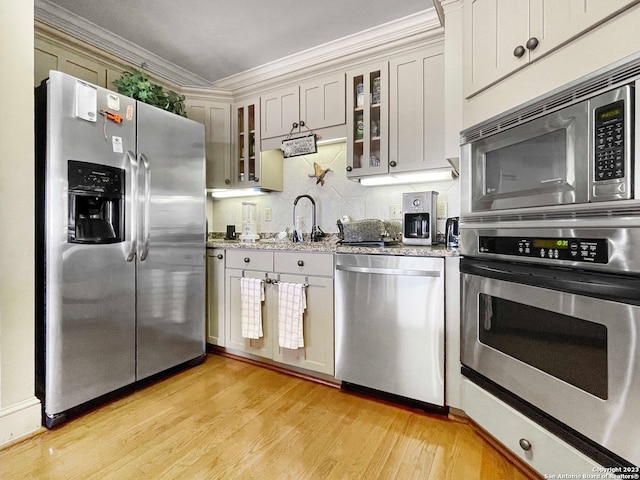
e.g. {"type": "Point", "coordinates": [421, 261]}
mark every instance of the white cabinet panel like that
{"type": "Point", "coordinates": [322, 102]}
{"type": "Point", "coordinates": [416, 119]}
{"type": "Point", "coordinates": [318, 102]}
{"type": "Point", "coordinates": [216, 118]}
{"type": "Point", "coordinates": [495, 29]}
{"type": "Point", "coordinates": [280, 109]}
{"type": "Point", "coordinates": [317, 353]}
{"type": "Point", "coordinates": [215, 297]}
{"type": "Point", "coordinates": [263, 346]}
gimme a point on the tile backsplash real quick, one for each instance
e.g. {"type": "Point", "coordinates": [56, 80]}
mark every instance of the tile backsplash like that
{"type": "Point", "coordinates": [338, 197]}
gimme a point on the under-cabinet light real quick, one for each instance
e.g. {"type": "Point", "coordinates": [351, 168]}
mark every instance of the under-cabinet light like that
{"type": "Point", "coordinates": [331, 140]}
{"type": "Point", "coordinates": [416, 177]}
{"type": "Point", "coordinates": [233, 193]}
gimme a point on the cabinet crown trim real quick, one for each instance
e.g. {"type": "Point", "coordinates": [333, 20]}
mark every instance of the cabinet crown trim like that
{"type": "Point", "coordinates": [382, 40]}
{"type": "Point", "coordinates": [402, 33]}
{"type": "Point", "coordinates": [74, 25]}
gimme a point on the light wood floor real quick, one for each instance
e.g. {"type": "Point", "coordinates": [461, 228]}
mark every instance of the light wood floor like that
{"type": "Point", "coordinates": [229, 419]}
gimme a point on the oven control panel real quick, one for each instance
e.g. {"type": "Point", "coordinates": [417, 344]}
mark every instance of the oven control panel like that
{"type": "Point", "coordinates": [594, 250]}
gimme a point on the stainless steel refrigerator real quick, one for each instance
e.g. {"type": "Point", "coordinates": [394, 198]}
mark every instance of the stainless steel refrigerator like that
{"type": "Point", "coordinates": [120, 239]}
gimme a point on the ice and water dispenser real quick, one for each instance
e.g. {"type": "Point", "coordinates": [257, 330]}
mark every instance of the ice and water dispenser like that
{"type": "Point", "coordinates": [96, 203]}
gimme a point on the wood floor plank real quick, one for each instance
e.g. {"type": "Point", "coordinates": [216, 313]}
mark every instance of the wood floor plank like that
{"type": "Point", "coordinates": [229, 419]}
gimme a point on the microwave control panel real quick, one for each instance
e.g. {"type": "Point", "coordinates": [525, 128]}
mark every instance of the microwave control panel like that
{"type": "Point", "coordinates": [609, 142]}
{"type": "Point", "coordinates": [594, 250]}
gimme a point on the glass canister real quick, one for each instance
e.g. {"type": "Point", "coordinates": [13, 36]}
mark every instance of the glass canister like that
{"type": "Point", "coordinates": [359, 126]}
{"type": "Point", "coordinates": [359, 94]}
{"type": "Point", "coordinates": [375, 95]}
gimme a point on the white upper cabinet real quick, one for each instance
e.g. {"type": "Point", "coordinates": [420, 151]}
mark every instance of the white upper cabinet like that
{"type": "Point", "coordinates": [368, 120]}
{"type": "Point", "coordinates": [280, 110]}
{"type": "Point", "coordinates": [502, 36]}
{"type": "Point", "coordinates": [318, 103]}
{"type": "Point", "coordinates": [252, 168]}
{"type": "Point", "coordinates": [216, 118]}
{"type": "Point", "coordinates": [396, 115]}
{"type": "Point", "coordinates": [322, 102]}
{"type": "Point", "coordinates": [416, 112]}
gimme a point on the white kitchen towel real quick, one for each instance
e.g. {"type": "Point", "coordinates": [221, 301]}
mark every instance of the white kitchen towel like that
{"type": "Point", "coordinates": [292, 302]}
{"type": "Point", "coordinates": [251, 297]}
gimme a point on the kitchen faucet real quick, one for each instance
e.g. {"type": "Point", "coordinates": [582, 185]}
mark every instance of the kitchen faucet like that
{"type": "Point", "coordinates": [316, 232]}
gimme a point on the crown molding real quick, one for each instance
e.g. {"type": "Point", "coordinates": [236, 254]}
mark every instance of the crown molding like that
{"type": "Point", "coordinates": [413, 30]}
{"type": "Point", "coordinates": [408, 32]}
{"type": "Point", "coordinates": [92, 34]}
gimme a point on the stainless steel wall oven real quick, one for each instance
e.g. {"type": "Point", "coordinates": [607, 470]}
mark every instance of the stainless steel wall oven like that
{"type": "Point", "coordinates": [549, 231]}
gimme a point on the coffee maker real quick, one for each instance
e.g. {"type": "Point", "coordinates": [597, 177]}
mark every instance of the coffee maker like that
{"type": "Point", "coordinates": [419, 215]}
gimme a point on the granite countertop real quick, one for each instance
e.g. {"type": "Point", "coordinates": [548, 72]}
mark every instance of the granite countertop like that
{"type": "Point", "coordinates": [330, 246]}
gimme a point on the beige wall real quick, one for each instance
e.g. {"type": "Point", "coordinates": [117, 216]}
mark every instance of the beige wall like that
{"type": "Point", "coordinates": [19, 409]}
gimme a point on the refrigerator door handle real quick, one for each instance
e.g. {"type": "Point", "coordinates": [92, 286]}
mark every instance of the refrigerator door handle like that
{"type": "Point", "coordinates": [142, 160]}
{"type": "Point", "coordinates": [131, 255]}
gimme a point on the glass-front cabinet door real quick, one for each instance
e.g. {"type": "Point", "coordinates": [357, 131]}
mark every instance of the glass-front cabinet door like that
{"type": "Point", "coordinates": [246, 165]}
{"type": "Point", "coordinates": [368, 120]}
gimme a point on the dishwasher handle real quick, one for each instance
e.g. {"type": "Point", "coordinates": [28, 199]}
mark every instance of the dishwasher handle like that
{"type": "Point", "coordinates": [389, 271]}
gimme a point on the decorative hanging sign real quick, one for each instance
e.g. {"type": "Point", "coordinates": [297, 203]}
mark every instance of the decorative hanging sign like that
{"type": "Point", "coordinates": [294, 147]}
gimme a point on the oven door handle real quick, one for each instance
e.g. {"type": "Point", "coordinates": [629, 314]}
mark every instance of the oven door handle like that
{"type": "Point", "coordinates": [606, 286]}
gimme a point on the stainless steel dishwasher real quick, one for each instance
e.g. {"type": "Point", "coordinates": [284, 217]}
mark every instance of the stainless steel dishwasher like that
{"type": "Point", "coordinates": [390, 324]}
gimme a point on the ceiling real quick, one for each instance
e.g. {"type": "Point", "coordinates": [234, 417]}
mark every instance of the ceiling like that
{"type": "Point", "coordinates": [215, 39]}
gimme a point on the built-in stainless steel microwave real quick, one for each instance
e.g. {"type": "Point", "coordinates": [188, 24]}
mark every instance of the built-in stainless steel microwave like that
{"type": "Point", "coordinates": [578, 154]}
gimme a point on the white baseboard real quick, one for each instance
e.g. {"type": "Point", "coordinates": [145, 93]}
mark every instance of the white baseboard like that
{"type": "Point", "coordinates": [20, 420]}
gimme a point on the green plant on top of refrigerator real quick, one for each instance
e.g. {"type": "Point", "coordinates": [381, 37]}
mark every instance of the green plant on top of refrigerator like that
{"type": "Point", "coordinates": [136, 84]}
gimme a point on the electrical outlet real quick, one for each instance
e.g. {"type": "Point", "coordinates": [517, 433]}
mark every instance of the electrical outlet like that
{"type": "Point", "coordinates": [394, 212]}
{"type": "Point", "coordinates": [267, 214]}
{"type": "Point", "coordinates": [442, 209]}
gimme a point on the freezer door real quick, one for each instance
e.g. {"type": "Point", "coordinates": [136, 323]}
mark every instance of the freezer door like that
{"type": "Point", "coordinates": [171, 247]}
{"type": "Point", "coordinates": [89, 304]}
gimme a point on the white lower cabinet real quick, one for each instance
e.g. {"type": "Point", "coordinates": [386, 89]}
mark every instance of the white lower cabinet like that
{"type": "Point", "coordinates": [215, 296]}
{"type": "Point", "coordinates": [313, 269]}
{"type": "Point", "coordinates": [249, 264]}
{"type": "Point", "coordinates": [548, 455]}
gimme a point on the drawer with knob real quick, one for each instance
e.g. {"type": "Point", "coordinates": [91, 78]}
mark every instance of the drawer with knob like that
{"type": "Point", "coordinates": [316, 264]}
{"type": "Point", "coordinates": [542, 450]}
{"type": "Point", "coordinates": [245, 259]}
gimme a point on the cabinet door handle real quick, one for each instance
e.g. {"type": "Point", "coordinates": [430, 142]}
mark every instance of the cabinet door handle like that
{"type": "Point", "coordinates": [227, 181]}
{"type": "Point", "coordinates": [219, 256]}
{"type": "Point", "coordinates": [349, 168]}
{"type": "Point", "coordinates": [256, 179]}
{"type": "Point", "coordinates": [393, 163]}
{"type": "Point", "coordinates": [532, 43]}
{"type": "Point", "coordinates": [247, 259]}
{"type": "Point", "coordinates": [518, 51]}
{"type": "Point", "coordinates": [525, 444]}
{"type": "Point", "coordinates": [300, 263]}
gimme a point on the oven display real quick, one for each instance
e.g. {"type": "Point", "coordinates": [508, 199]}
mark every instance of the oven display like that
{"type": "Point", "coordinates": [550, 243]}
{"type": "Point", "coordinates": [594, 250]}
